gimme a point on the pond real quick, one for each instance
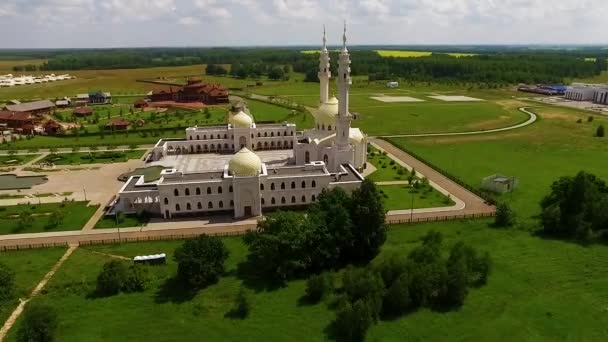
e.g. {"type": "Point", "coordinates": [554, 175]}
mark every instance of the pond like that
{"type": "Point", "coordinates": [13, 182]}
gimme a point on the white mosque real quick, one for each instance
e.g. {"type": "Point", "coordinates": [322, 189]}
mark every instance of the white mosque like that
{"type": "Point", "coordinates": [215, 169]}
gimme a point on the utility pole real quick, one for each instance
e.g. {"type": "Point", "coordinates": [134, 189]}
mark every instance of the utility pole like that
{"type": "Point", "coordinates": [412, 209]}
{"type": "Point", "coordinates": [85, 193]}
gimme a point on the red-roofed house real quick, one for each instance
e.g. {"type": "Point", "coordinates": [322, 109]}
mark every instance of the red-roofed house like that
{"type": "Point", "coordinates": [51, 127]}
{"type": "Point", "coordinates": [19, 121]}
{"type": "Point", "coordinates": [118, 124]}
{"type": "Point", "coordinates": [193, 91]}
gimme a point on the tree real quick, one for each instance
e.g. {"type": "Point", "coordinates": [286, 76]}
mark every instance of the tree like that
{"type": "Point", "coordinates": [39, 324]}
{"type": "Point", "coordinates": [505, 217]}
{"type": "Point", "coordinates": [138, 279]}
{"type": "Point", "coordinates": [600, 131]}
{"type": "Point", "coordinates": [353, 321]}
{"type": "Point", "coordinates": [7, 282]}
{"type": "Point", "coordinates": [457, 282]}
{"type": "Point", "coordinates": [363, 284]}
{"type": "Point", "coordinates": [368, 217]}
{"type": "Point", "coordinates": [112, 278]}
{"type": "Point", "coordinates": [575, 207]}
{"type": "Point", "coordinates": [276, 73]}
{"type": "Point", "coordinates": [55, 219]}
{"type": "Point", "coordinates": [201, 260]}
{"type": "Point", "coordinates": [279, 248]}
{"type": "Point", "coordinates": [317, 286]}
{"type": "Point", "coordinates": [397, 298]}
{"type": "Point", "coordinates": [25, 220]}
{"type": "Point", "coordinates": [391, 268]}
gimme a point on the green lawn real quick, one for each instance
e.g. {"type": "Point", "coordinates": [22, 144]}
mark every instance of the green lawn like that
{"type": "Point", "coordinates": [75, 216]}
{"type": "Point", "coordinates": [399, 197]}
{"type": "Point", "coordinates": [386, 168]}
{"type": "Point", "coordinates": [541, 290]}
{"type": "Point", "coordinates": [268, 113]}
{"type": "Point", "coordinates": [128, 221]}
{"type": "Point", "coordinates": [537, 155]}
{"type": "Point", "coordinates": [92, 158]}
{"type": "Point", "coordinates": [17, 159]}
{"type": "Point", "coordinates": [29, 266]}
{"type": "Point", "coordinates": [150, 173]}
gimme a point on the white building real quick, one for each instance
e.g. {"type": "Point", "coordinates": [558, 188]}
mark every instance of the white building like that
{"type": "Point", "coordinates": [325, 157]}
{"type": "Point", "coordinates": [597, 93]}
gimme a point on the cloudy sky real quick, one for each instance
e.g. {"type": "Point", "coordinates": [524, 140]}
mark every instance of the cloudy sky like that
{"type": "Point", "coordinates": [122, 23]}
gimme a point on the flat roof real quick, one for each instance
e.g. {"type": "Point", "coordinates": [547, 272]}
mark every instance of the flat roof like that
{"type": "Point", "coordinates": [192, 177]}
{"type": "Point", "coordinates": [294, 170]}
{"type": "Point", "coordinates": [349, 176]}
{"type": "Point", "coordinates": [131, 185]}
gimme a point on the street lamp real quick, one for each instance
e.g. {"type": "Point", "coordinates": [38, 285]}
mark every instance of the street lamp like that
{"type": "Point", "coordinates": [412, 209]}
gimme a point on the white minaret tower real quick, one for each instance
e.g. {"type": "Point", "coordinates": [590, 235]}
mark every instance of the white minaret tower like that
{"type": "Point", "coordinates": [324, 71]}
{"type": "Point", "coordinates": [344, 118]}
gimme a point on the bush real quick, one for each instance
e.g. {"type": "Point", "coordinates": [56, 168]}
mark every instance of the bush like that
{"type": "Point", "coordinates": [201, 261]}
{"type": "Point", "coordinates": [7, 282]}
{"type": "Point", "coordinates": [590, 119]}
{"type": "Point", "coordinates": [505, 217]}
{"type": "Point", "coordinates": [39, 324]}
{"type": "Point", "coordinates": [391, 267]}
{"type": "Point", "coordinates": [317, 286]}
{"type": "Point", "coordinates": [397, 298]}
{"type": "Point", "coordinates": [600, 131]}
{"type": "Point", "coordinates": [353, 321]}
{"type": "Point", "coordinates": [138, 279]}
{"type": "Point", "coordinates": [364, 284]}
{"type": "Point", "coordinates": [112, 278]}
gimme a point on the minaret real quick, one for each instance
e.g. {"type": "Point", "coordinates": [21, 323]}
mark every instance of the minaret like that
{"type": "Point", "coordinates": [344, 118]}
{"type": "Point", "coordinates": [324, 71]}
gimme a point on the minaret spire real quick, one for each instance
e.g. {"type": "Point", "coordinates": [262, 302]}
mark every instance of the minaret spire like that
{"type": "Point", "coordinates": [344, 49]}
{"type": "Point", "coordinates": [344, 82]}
{"type": "Point", "coordinates": [324, 71]}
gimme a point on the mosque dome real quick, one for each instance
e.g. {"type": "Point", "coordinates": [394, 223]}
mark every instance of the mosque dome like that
{"type": "Point", "coordinates": [242, 120]}
{"type": "Point", "coordinates": [245, 163]}
{"type": "Point", "coordinates": [328, 111]}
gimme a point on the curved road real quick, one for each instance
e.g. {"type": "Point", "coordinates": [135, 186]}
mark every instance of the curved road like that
{"type": "Point", "coordinates": [532, 118]}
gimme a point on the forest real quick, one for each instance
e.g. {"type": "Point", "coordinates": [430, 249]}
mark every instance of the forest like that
{"type": "Point", "coordinates": [499, 66]}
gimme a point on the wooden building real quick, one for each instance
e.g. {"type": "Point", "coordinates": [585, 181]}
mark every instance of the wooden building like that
{"type": "Point", "coordinates": [193, 91]}
{"type": "Point", "coordinates": [51, 127]}
{"type": "Point", "coordinates": [35, 107]}
{"type": "Point", "coordinates": [18, 121]}
{"type": "Point", "coordinates": [141, 103]}
{"type": "Point", "coordinates": [118, 125]}
{"type": "Point", "coordinates": [83, 111]}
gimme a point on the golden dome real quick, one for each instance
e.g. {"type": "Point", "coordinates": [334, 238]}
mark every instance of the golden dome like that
{"type": "Point", "coordinates": [328, 111]}
{"type": "Point", "coordinates": [245, 164]}
{"type": "Point", "coordinates": [242, 120]}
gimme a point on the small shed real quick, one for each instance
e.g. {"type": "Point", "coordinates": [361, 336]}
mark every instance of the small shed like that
{"type": "Point", "coordinates": [118, 124]}
{"type": "Point", "coordinates": [51, 127]}
{"type": "Point", "coordinates": [392, 84]}
{"type": "Point", "coordinates": [141, 103]}
{"type": "Point", "coordinates": [499, 183]}
{"type": "Point", "coordinates": [83, 111]}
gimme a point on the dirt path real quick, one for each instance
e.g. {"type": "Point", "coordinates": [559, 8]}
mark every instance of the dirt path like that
{"type": "Point", "coordinates": [17, 312]}
{"type": "Point", "coordinates": [107, 255]}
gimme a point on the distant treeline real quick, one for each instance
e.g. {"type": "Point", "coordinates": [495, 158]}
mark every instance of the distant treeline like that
{"type": "Point", "coordinates": [506, 66]}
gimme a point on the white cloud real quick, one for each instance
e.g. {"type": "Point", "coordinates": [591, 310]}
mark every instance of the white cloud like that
{"type": "Point", "coordinates": [289, 22]}
{"type": "Point", "coordinates": [212, 9]}
{"type": "Point", "coordinates": [188, 21]}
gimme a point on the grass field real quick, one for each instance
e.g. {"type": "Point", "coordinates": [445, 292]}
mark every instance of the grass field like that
{"type": "Point", "coordinates": [128, 221]}
{"type": "Point", "coordinates": [75, 216]}
{"type": "Point", "coordinates": [541, 290]}
{"type": "Point", "coordinates": [29, 266]}
{"type": "Point", "coordinates": [410, 54]}
{"type": "Point", "coordinates": [400, 197]}
{"type": "Point", "coordinates": [92, 158]}
{"type": "Point", "coordinates": [17, 159]}
{"type": "Point", "coordinates": [150, 173]}
{"type": "Point", "coordinates": [537, 155]}
{"type": "Point", "coordinates": [386, 168]}
{"type": "Point", "coordinates": [268, 113]}
{"type": "Point", "coordinates": [117, 82]}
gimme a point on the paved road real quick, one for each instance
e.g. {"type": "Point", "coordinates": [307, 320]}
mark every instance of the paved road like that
{"type": "Point", "coordinates": [81, 149]}
{"type": "Point", "coordinates": [532, 117]}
